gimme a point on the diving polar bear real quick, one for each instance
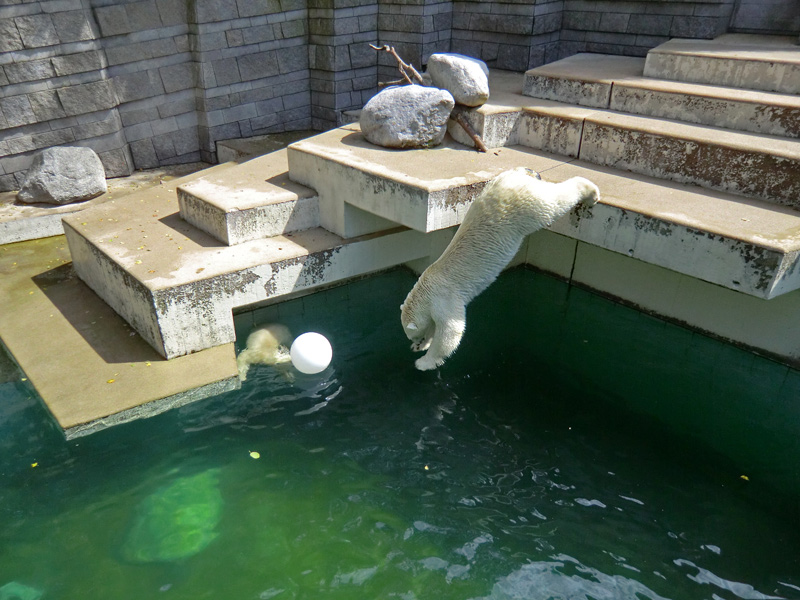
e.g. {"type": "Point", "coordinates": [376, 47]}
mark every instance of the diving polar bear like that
{"type": "Point", "coordinates": [513, 205]}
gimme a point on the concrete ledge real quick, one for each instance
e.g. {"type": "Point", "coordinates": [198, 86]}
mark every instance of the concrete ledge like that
{"type": "Point", "coordinates": [617, 83]}
{"type": "Point", "coordinates": [249, 201]}
{"type": "Point", "coordinates": [426, 189]}
{"type": "Point", "coordinates": [768, 63]}
{"type": "Point", "coordinates": [744, 245]}
{"type": "Point", "coordinates": [178, 287]}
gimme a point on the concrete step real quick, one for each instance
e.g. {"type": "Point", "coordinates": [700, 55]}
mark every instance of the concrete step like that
{"type": "Point", "coordinates": [249, 201]}
{"type": "Point", "coordinates": [617, 83]}
{"type": "Point", "coordinates": [178, 287]}
{"type": "Point", "coordinates": [364, 188]}
{"type": "Point", "coordinates": [754, 62]}
{"type": "Point", "coordinates": [764, 167]}
{"type": "Point", "coordinates": [743, 244]}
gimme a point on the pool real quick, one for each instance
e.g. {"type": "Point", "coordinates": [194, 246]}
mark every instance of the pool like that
{"type": "Point", "coordinates": [573, 448]}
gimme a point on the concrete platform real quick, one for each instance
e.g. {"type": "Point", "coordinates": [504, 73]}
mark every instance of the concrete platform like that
{"type": "Point", "coordinates": [755, 62]}
{"type": "Point", "coordinates": [425, 190]}
{"type": "Point", "coordinates": [249, 201]}
{"type": "Point", "coordinates": [91, 369]}
{"type": "Point", "coordinates": [178, 286]}
{"type": "Point", "coordinates": [618, 83]}
{"type": "Point", "coordinates": [20, 221]}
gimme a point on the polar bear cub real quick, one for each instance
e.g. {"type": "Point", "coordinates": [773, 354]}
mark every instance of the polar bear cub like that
{"type": "Point", "coordinates": [268, 345]}
{"type": "Point", "coordinates": [512, 205]}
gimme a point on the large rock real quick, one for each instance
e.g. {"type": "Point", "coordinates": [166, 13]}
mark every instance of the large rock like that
{"type": "Point", "coordinates": [467, 79]}
{"type": "Point", "coordinates": [62, 175]}
{"type": "Point", "coordinates": [410, 116]}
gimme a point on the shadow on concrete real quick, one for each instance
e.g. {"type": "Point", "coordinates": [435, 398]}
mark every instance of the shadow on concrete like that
{"type": "Point", "coordinates": [181, 227]}
{"type": "Point", "coordinates": [108, 335]}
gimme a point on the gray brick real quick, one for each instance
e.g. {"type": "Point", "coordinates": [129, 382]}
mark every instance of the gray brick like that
{"type": "Point", "coordinates": [113, 20]}
{"type": "Point", "coordinates": [234, 38]}
{"type": "Point", "coordinates": [144, 154]}
{"type": "Point", "coordinates": [143, 15]}
{"type": "Point", "coordinates": [512, 58]}
{"type": "Point", "coordinates": [138, 132]}
{"type": "Point", "coordinates": [116, 162]}
{"type": "Point", "coordinates": [187, 120]}
{"type": "Point", "coordinates": [37, 31]}
{"type": "Point", "coordinates": [9, 36]}
{"type": "Point", "coordinates": [8, 183]}
{"type": "Point", "coordinates": [46, 105]}
{"type": "Point", "coordinates": [127, 53]}
{"type": "Point", "coordinates": [287, 5]}
{"type": "Point", "coordinates": [258, 65]}
{"type": "Point", "coordinates": [186, 141]}
{"type": "Point", "coordinates": [264, 121]}
{"type": "Point", "coordinates": [3, 78]}
{"type": "Point", "coordinates": [164, 126]}
{"type": "Point", "coordinates": [32, 70]}
{"type": "Point", "coordinates": [162, 47]}
{"type": "Point", "coordinates": [253, 8]}
{"type": "Point", "coordinates": [17, 111]}
{"type": "Point", "coordinates": [53, 138]}
{"type": "Point", "coordinates": [172, 12]}
{"type": "Point", "coordinates": [72, 26]}
{"type": "Point", "coordinates": [140, 115]}
{"type": "Point", "coordinates": [209, 11]}
{"type": "Point", "coordinates": [86, 98]}
{"type": "Point", "coordinates": [697, 27]}
{"type": "Point", "coordinates": [586, 21]}
{"type": "Point", "coordinates": [177, 77]}
{"type": "Point", "coordinates": [18, 145]}
{"type": "Point", "coordinates": [256, 35]}
{"type": "Point", "coordinates": [210, 41]}
{"type": "Point", "coordinates": [617, 22]}
{"type": "Point", "coordinates": [56, 6]}
{"type": "Point", "coordinates": [294, 28]}
{"type": "Point", "coordinates": [170, 109]}
{"type": "Point", "coordinates": [293, 59]}
{"type": "Point", "coordinates": [111, 124]}
{"type": "Point", "coordinates": [269, 107]}
{"type": "Point", "coordinates": [77, 63]}
{"type": "Point", "coordinates": [226, 71]}
{"type": "Point", "coordinates": [135, 86]}
{"type": "Point", "coordinates": [650, 24]}
{"type": "Point", "coordinates": [297, 100]}
{"type": "Point", "coordinates": [164, 147]}
{"type": "Point", "coordinates": [240, 113]}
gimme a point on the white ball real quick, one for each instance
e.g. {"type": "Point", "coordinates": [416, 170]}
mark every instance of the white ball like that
{"type": "Point", "coordinates": [311, 353]}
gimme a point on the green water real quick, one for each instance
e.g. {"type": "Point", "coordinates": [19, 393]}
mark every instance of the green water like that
{"type": "Point", "coordinates": [572, 449]}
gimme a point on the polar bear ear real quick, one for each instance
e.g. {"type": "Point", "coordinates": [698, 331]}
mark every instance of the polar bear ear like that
{"type": "Point", "coordinates": [412, 327]}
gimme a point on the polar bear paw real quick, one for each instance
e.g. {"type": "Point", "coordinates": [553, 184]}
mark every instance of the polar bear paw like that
{"type": "Point", "coordinates": [428, 363]}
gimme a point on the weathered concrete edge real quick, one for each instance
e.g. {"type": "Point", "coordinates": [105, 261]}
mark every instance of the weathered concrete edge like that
{"type": "Point", "coordinates": [155, 407]}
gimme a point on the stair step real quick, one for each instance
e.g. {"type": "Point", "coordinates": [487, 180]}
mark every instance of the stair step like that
{"type": "Point", "coordinates": [759, 166]}
{"type": "Point", "coordinates": [365, 188]}
{"type": "Point", "coordinates": [617, 83]}
{"type": "Point", "coordinates": [249, 201]}
{"type": "Point", "coordinates": [742, 244]}
{"type": "Point", "coordinates": [756, 62]}
{"type": "Point", "coordinates": [177, 287]}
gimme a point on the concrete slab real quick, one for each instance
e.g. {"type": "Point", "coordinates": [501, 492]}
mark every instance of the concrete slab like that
{"type": "Point", "coordinates": [178, 286]}
{"type": "Point", "coordinates": [764, 167]}
{"type": "Point", "coordinates": [425, 189]}
{"type": "Point", "coordinates": [20, 221]}
{"type": "Point", "coordinates": [253, 200]}
{"type": "Point", "coordinates": [88, 366]}
{"type": "Point", "coordinates": [768, 63]}
{"type": "Point", "coordinates": [617, 83]}
{"type": "Point", "coordinates": [742, 244]}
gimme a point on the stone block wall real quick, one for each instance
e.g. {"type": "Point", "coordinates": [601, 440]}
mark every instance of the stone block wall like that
{"type": "Point", "coordinates": [154, 82]}
{"type": "Point", "coordinates": [632, 27]}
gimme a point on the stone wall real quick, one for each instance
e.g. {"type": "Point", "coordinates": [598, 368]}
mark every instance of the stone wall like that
{"type": "Point", "coordinates": [154, 82]}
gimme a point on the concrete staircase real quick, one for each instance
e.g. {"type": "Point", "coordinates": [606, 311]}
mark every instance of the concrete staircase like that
{"type": "Point", "coordinates": [697, 180]}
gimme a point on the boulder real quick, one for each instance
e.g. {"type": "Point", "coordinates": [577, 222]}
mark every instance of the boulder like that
{"type": "Point", "coordinates": [466, 78]}
{"type": "Point", "coordinates": [410, 116]}
{"type": "Point", "coordinates": [62, 175]}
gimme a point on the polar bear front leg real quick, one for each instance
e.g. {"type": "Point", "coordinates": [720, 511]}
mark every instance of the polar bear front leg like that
{"type": "Point", "coordinates": [450, 320]}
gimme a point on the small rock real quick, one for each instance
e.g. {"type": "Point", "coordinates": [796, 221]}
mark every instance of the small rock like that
{"type": "Point", "coordinates": [62, 175]}
{"type": "Point", "coordinates": [410, 116]}
{"type": "Point", "coordinates": [466, 78]}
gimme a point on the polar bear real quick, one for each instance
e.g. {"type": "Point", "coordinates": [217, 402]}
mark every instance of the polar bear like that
{"type": "Point", "coordinates": [268, 345]}
{"type": "Point", "coordinates": [512, 205]}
